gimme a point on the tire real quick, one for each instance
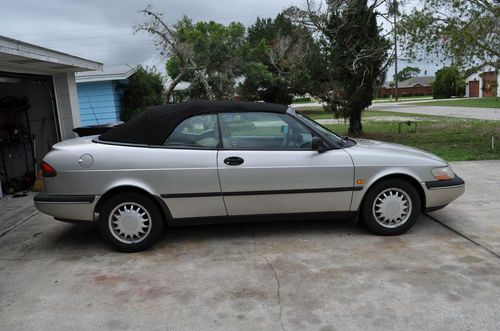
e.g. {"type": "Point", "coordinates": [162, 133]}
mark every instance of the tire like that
{"type": "Point", "coordinates": [391, 207]}
{"type": "Point", "coordinates": [131, 222]}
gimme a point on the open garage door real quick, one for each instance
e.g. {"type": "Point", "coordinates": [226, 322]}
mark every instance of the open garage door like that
{"type": "Point", "coordinates": [28, 127]}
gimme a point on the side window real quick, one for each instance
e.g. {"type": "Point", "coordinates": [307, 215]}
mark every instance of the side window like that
{"type": "Point", "coordinates": [259, 130]}
{"type": "Point", "coordinates": [198, 131]}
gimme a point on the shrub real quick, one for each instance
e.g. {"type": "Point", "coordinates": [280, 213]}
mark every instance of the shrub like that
{"type": "Point", "coordinates": [142, 90]}
{"type": "Point", "coordinates": [448, 83]}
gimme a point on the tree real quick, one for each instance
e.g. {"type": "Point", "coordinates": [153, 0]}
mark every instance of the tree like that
{"type": "Point", "coordinates": [278, 62]}
{"type": "Point", "coordinates": [143, 89]}
{"type": "Point", "coordinates": [461, 30]}
{"type": "Point", "coordinates": [406, 73]}
{"type": "Point", "coordinates": [355, 54]}
{"type": "Point", "coordinates": [167, 40]}
{"type": "Point", "coordinates": [217, 51]}
{"type": "Point", "coordinates": [448, 83]}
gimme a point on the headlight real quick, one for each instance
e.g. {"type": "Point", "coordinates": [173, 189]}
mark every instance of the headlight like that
{"type": "Point", "coordinates": [443, 173]}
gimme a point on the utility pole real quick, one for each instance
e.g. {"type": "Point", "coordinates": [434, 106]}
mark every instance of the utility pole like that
{"type": "Point", "coordinates": [395, 15]}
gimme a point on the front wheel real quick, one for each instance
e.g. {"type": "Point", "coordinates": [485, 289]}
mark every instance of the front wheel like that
{"type": "Point", "coordinates": [391, 207]}
{"type": "Point", "coordinates": [131, 222]}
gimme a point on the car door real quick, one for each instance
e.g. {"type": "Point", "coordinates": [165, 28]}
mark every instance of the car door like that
{"type": "Point", "coordinates": [267, 166]}
{"type": "Point", "coordinates": [190, 182]}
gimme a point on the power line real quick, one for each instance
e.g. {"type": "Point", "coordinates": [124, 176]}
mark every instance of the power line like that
{"type": "Point", "coordinates": [68, 31]}
{"type": "Point", "coordinates": [103, 43]}
{"type": "Point", "coordinates": [83, 37]}
{"type": "Point", "coordinates": [131, 27]}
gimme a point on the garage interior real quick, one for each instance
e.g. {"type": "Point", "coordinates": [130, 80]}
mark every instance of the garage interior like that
{"type": "Point", "coordinates": [38, 108]}
{"type": "Point", "coordinates": [28, 129]}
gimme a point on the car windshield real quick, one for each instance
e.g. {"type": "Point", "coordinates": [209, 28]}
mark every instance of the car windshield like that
{"type": "Point", "coordinates": [329, 134]}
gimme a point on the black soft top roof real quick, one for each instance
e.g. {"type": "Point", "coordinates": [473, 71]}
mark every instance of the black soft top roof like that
{"type": "Point", "coordinates": [154, 125]}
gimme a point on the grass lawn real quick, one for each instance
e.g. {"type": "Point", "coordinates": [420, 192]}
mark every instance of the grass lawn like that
{"type": "Point", "coordinates": [403, 99]}
{"type": "Point", "coordinates": [318, 113]}
{"type": "Point", "coordinates": [453, 139]}
{"type": "Point", "coordinates": [493, 102]}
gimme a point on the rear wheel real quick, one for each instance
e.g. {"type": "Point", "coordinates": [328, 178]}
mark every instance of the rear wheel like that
{"type": "Point", "coordinates": [391, 207]}
{"type": "Point", "coordinates": [131, 222]}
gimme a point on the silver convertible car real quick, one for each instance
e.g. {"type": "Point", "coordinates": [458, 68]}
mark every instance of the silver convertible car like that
{"type": "Point", "coordinates": [212, 162]}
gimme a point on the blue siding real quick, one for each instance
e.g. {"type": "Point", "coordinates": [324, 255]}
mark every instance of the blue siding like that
{"type": "Point", "coordinates": [99, 102]}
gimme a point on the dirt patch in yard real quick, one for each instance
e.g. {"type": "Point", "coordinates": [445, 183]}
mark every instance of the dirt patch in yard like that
{"type": "Point", "coordinates": [397, 119]}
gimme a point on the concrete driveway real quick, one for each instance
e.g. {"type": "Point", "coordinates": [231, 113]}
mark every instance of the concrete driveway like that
{"type": "Point", "coordinates": [443, 274]}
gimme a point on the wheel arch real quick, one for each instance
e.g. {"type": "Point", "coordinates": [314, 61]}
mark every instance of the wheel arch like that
{"type": "Point", "coordinates": [131, 188]}
{"type": "Point", "coordinates": [402, 176]}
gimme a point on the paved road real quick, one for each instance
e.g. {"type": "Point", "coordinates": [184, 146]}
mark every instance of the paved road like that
{"type": "Point", "coordinates": [266, 276]}
{"type": "Point", "coordinates": [461, 112]}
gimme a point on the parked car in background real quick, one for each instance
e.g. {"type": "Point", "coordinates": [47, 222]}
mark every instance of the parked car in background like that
{"type": "Point", "coordinates": [212, 162]}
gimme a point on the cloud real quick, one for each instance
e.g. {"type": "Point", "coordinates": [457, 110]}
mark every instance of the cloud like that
{"type": "Point", "coordinates": [102, 30]}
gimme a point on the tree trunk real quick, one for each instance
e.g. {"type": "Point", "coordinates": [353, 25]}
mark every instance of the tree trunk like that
{"type": "Point", "coordinates": [355, 127]}
{"type": "Point", "coordinates": [208, 90]}
{"type": "Point", "coordinates": [201, 76]}
{"type": "Point", "coordinates": [172, 85]}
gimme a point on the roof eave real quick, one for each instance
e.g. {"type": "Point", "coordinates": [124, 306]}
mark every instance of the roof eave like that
{"type": "Point", "coordinates": [29, 54]}
{"type": "Point", "coordinates": [90, 77]}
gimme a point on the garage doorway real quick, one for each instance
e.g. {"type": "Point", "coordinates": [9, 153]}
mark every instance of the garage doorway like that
{"type": "Point", "coordinates": [474, 88]}
{"type": "Point", "coordinates": [28, 127]}
{"type": "Point", "coordinates": [489, 84]}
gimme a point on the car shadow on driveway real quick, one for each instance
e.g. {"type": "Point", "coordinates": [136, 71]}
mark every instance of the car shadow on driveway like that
{"type": "Point", "coordinates": [80, 237]}
{"type": "Point", "coordinates": [299, 275]}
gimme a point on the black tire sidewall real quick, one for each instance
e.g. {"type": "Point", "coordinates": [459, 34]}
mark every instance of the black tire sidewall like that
{"type": "Point", "coordinates": [157, 222]}
{"type": "Point", "coordinates": [366, 208]}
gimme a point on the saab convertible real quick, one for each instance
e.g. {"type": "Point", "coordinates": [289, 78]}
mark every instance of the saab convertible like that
{"type": "Point", "coordinates": [214, 161]}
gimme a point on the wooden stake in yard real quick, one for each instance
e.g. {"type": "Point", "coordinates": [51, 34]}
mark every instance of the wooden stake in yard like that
{"type": "Point", "coordinates": [493, 143]}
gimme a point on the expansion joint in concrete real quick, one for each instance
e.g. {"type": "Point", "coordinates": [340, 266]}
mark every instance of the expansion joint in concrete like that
{"type": "Point", "coordinates": [463, 235]}
{"type": "Point", "coordinates": [276, 279]}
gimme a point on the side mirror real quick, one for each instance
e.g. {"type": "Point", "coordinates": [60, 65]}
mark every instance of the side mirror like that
{"type": "Point", "coordinates": [318, 144]}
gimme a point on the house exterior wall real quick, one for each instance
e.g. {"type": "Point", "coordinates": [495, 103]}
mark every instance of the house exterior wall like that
{"type": "Point", "coordinates": [477, 77]}
{"type": "Point", "coordinates": [99, 102]}
{"type": "Point", "coordinates": [405, 91]}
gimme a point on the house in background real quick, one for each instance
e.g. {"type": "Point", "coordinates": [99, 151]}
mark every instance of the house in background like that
{"type": "Point", "coordinates": [415, 86]}
{"type": "Point", "coordinates": [99, 93]}
{"type": "Point", "coordinates": [483, 81]}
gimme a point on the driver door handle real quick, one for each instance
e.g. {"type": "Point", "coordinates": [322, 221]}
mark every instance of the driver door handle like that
{"type": "Point", "coordinates": [233, 161]}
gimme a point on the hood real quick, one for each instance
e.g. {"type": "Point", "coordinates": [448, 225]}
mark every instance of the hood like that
{"type": "Point", "coordinates": [391, 148]}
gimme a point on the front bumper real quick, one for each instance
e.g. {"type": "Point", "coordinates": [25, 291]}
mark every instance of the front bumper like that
{"type": "Point", "coordinates": [67, 207]}
{"type": "Point", "coordinates": [439, 193]}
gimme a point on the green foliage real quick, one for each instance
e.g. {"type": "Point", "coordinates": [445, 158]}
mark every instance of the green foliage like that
{"type": "Point", "coordinates": [143, 89]}
{"type": "Point", "coordinates": [279, 62]}
{"type": "Point", "coordinates": [355, 54]}
{"type": "Point", "coordinates": [462, 30]}
{"type": "Point", "coordinates": [216, 49]}
{"type": "Point", "coordinates": [448, 83]}
{"type": "Point", "coordinates": [406, 73]}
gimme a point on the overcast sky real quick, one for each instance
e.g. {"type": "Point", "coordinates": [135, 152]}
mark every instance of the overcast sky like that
{"type": "Point", "coordinates": [101, 30]}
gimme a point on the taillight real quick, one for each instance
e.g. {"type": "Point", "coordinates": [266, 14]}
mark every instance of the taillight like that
{"type": "Point", "coordinates": [48, 170]}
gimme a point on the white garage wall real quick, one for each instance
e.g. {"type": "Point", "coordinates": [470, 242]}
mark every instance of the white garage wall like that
{"type": "Point", "coordinates": [67, 104]}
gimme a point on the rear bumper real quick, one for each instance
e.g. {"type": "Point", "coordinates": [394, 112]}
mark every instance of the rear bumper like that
{"type": "Point", "coordinates": [67, 207]}
{"type": "Point", "coordinates": [441, 193]}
